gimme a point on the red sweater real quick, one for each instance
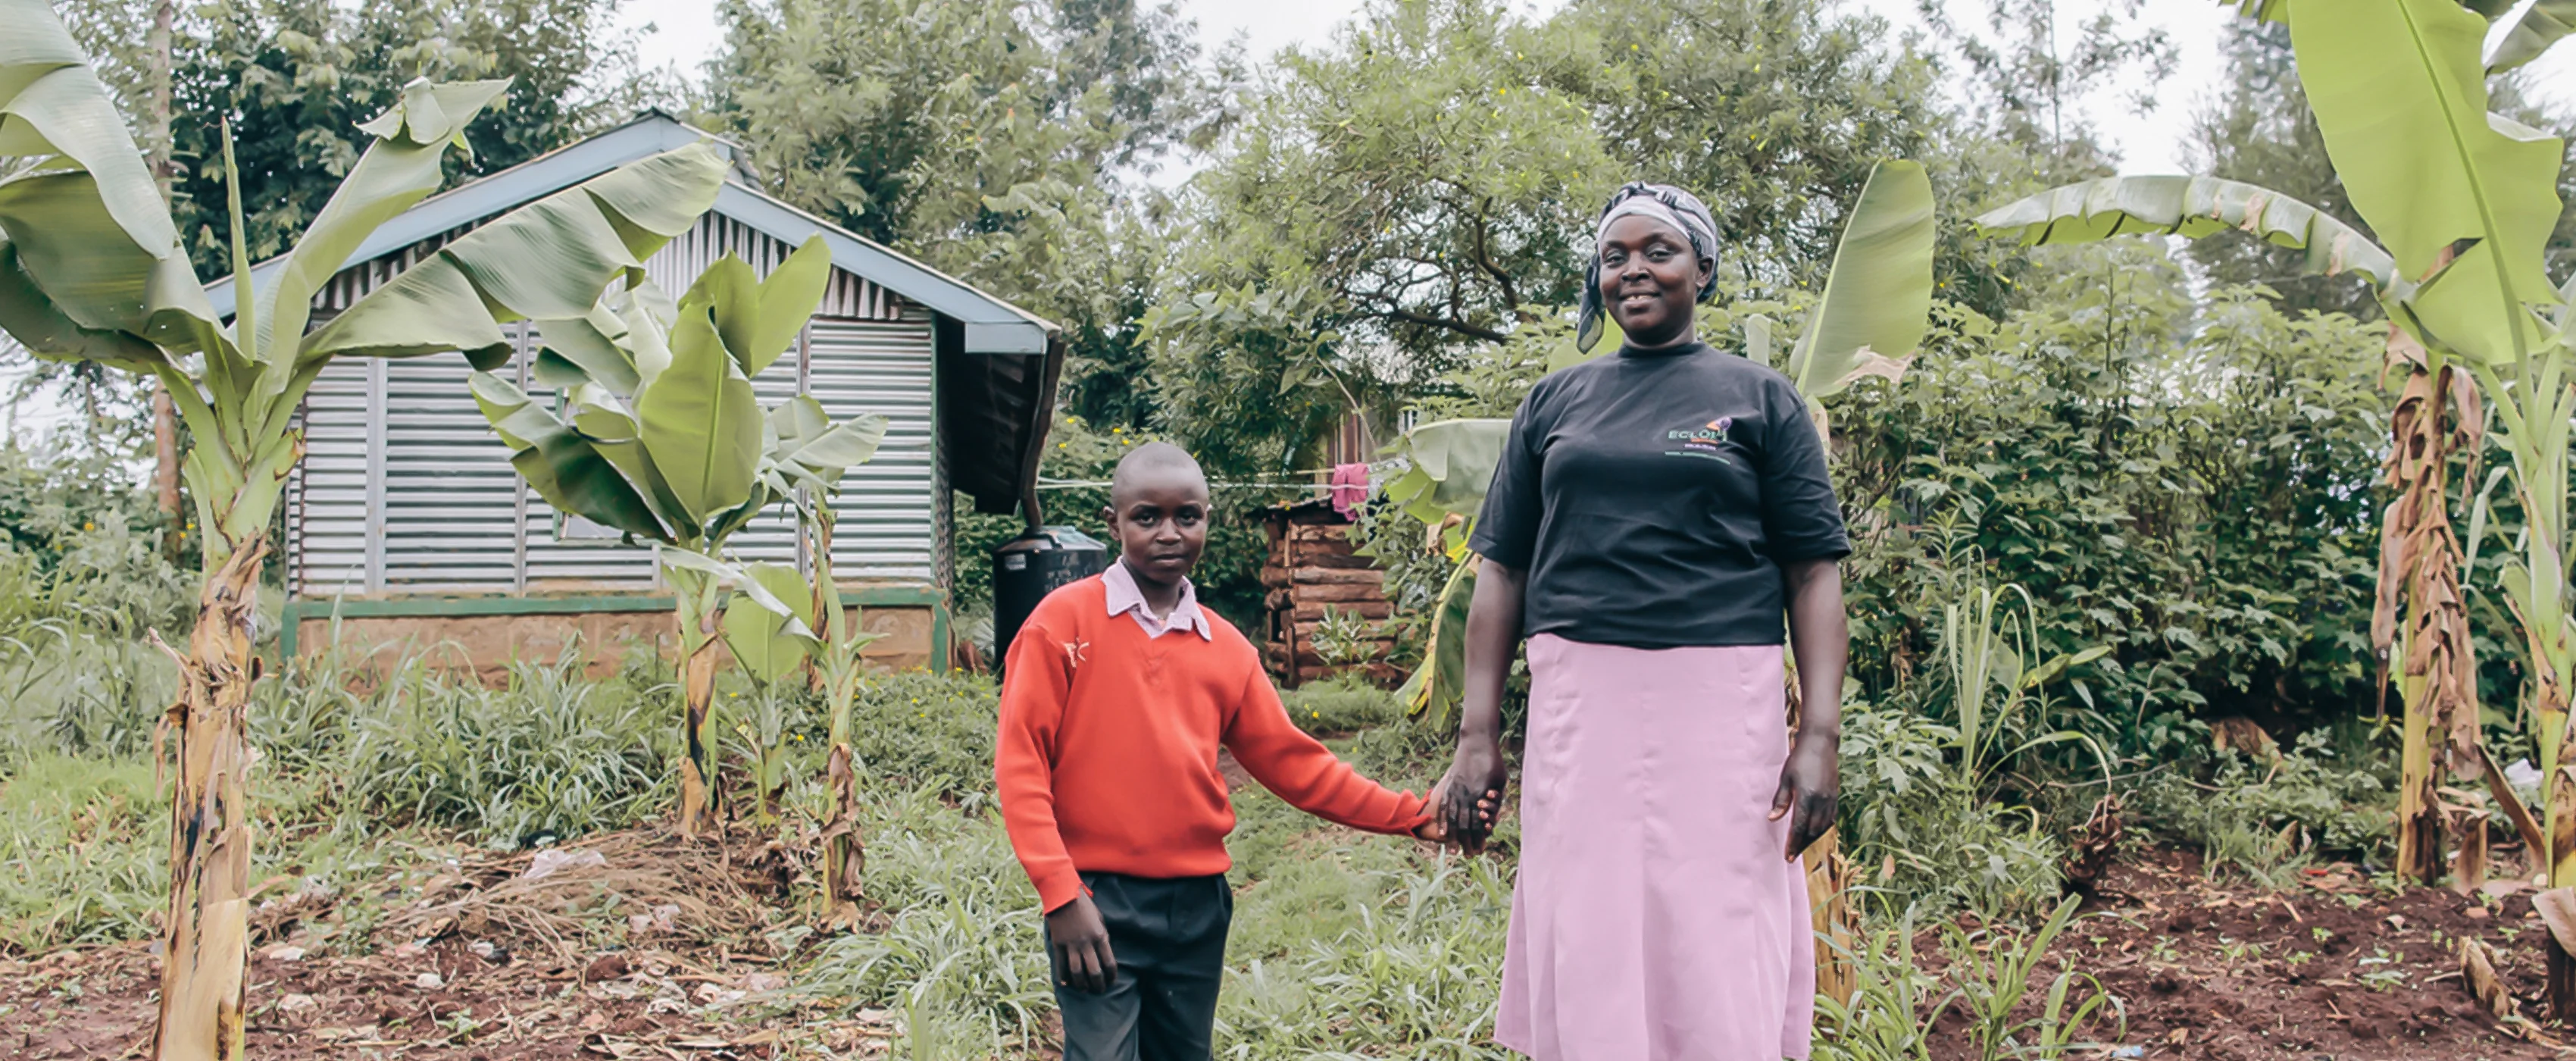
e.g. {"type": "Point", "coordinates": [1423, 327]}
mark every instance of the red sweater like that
{"type": "Point", "coordinates": [1107, 756]}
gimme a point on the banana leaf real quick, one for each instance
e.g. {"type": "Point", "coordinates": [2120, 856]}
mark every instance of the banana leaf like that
{"type": "Point", "coordinates": [2541, 25]}
{"type": "Point", "coordinates": [1878, 296]}
{"type": "Point", "coordinates": [768, 642]}
{"type": "Point", "coordinates": [701, 422]}
{"type": "Point", "coordinates": [399, 169]}
{"type": "Point", "coordinates": [2191, 207]}
{"type": "Point", "coordinates": [2399, 92]}
{"type": "Point", "coordinates": [91, 249]}
{"type": "Point", "coordinates": [759, 318]}
{"type": "Point", "coordinates": [1436, 688]}
{"type": "Point", "coordinates": [1453, 465]}
{"type": "Point", "coordinates": [570, 471]}
{"type": "Point", "coordinates": [546, 261]}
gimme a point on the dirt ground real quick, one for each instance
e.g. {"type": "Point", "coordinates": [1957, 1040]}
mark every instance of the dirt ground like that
{"type": "Point", "coordinates": [656, 951]}
{"type": "Point", "coordinates": [2336, 967]}
{"type": "Point", "coordinates": [519, 966]}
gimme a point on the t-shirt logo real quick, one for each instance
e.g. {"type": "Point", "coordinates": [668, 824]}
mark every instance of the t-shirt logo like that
{"type": "Point", "coordinates": [1706, 442]}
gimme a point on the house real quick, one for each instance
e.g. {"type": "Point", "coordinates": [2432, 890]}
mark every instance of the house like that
{"type": "Point", "coordinates": [406, 524]}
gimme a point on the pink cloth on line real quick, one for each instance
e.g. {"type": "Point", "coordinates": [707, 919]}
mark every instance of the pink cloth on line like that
{"type": "Point", "coordinates": [1655, 918]}
{"type": "Point", "coordinates": [1350, 488]}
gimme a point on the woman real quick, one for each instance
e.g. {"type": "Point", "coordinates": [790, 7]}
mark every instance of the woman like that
{"type": "Point", "coordinates": [1653, 516]}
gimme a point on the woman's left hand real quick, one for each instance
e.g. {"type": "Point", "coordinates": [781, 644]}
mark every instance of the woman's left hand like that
{"type": "Point", "coordinates": [1810, 784]}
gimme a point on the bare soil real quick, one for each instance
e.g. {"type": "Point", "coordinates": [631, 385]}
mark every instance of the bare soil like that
{"type": "Point", "coordinates": [479, 961]}
{"type": "Point", "coordinates": [2336, 967]}
{"type": "Point", "coordinates": [655, 952]}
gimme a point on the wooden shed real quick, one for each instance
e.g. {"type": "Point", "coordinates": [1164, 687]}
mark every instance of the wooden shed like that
{"type": "Point", "coordinates": [1311, 571]}
{"type": "Point", "coordinates": [406, 523]}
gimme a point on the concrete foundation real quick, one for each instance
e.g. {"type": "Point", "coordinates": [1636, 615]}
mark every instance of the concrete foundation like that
{"type": "Point", "coordinates": [487, 635]}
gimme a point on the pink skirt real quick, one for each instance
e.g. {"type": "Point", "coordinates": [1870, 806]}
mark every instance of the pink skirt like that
{"type": "Point", "coordinates": [1655, 918]}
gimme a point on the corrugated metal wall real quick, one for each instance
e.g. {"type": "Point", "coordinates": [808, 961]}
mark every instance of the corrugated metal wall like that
{"type": "Point", "coordinates": [404, 488]}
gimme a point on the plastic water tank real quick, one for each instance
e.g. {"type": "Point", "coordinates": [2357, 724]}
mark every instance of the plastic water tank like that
{"type": "Point", "coordinates": [1027, 568]}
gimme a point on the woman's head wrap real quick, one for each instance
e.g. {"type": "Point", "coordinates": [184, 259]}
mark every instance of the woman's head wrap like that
{"type": "Point", "coordinates": [1662, 202]}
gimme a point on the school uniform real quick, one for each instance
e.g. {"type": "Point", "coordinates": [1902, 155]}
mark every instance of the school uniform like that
{"type": "Point", "coordinates": [1106, 766]}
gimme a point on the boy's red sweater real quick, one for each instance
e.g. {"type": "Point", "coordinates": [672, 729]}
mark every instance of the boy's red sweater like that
{"type": "Point", "coordinates": [1107, 756]}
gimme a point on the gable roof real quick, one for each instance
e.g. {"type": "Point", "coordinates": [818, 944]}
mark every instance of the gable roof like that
{"type": "Point", "coordinates": [989, 324]}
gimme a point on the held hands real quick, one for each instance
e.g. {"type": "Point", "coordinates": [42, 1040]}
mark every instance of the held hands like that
{"type": "Point", "coordinates": [1809, 786]}
{"type": "Point", "coordinates": [1470, 796]}
{"type": "Point", "coordinates": [1078, 943]}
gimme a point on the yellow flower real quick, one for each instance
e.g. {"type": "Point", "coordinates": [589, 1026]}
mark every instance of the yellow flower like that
{"type": "Point", "coordinates": [89, 526]}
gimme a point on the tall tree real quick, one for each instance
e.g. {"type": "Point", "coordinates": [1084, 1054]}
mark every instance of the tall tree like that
{"type": "Point", "coordinates": [296, 77]}
{"type": "Point", "coordinates": [1004, 141]}
{"type": "Point", "coordinates": [1391, 201]}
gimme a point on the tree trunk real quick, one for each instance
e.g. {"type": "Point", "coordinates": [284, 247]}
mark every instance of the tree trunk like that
{"type": "Point", "coordinates": [1828, 884]}
{"type": "Point", "coordinates": [698, 617]}
{"type": "Point", "coordinates": [698, 797]}
{"type": "Point", "coordinates": [206, 933]}
{"type": "Point", "coordinates": [2419, 813]}
{"type": "Point", "coordinates": [845, 858]}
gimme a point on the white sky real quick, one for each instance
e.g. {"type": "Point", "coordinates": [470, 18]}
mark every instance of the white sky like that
{"type": "Point", "coordinates": [684, 34]}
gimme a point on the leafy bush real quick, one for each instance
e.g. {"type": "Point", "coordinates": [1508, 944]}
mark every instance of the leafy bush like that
{"type": "Point", "coordinates": [1923, 837]}
{"type": "Point", "coordinates": [2263, 817]}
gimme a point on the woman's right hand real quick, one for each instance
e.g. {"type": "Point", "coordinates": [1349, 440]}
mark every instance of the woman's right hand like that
{"type": "Point", "coordinates": [1475, 789]}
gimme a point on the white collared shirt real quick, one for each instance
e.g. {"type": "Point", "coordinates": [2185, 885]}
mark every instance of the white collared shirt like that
{"type": "Point", "coordinates": [1125, 596]}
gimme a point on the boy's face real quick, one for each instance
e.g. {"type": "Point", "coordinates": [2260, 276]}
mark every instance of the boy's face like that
{"type": "Point", "coordinates": [1161, 519]}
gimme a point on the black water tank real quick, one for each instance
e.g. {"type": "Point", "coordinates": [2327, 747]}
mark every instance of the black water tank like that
{"type": "Point", "coordinates": [1027, 568]}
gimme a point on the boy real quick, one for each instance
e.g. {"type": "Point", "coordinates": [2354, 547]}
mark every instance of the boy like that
{"type": "Point", "coordinates": [1115, 696]}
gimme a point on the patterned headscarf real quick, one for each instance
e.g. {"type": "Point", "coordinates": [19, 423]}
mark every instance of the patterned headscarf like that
{"type": "Point", "coordinates": [1662, 202]}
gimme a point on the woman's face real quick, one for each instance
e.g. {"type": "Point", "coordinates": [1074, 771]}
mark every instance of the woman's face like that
{"type": "Point", "coordinates": [1650, 280]}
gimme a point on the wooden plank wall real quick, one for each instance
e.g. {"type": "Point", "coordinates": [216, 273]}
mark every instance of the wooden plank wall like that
{"type": "Point", "coordinates": [1310, 569]}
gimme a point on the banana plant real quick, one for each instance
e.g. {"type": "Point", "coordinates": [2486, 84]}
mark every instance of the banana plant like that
{"type": "Point", "coordinates": [91, 268]}
{"type": "Point", "coordinates": [816, 629]}
{"type": "Point", "coordinates": [770, 647]}
{"type": "Point", "coordinates": [657, 434]}
{"type": "Point", "coordinates": [836, 663]}
{"type": "Point", "coordinates": [2464, 200]}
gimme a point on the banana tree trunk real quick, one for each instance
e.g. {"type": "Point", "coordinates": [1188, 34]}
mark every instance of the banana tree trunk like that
{"type": "Point", "coordinates": [207, 931]}
{"type": "Point", "coordinates": [844, 849]}
{"type": "Point", "coordinates": [845, 857]}
{"type": "Point", "coordinates": [698, 618]}
{"type": "Point", "coordinates": [2438, 414]}
{"type": "Point", "coordinates": [1828, 882]}
{"type": "Point", "coordinates": [2419, 816]}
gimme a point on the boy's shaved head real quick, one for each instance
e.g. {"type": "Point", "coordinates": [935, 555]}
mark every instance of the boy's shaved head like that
{"type": "Point", "coordinates": [1160, 464]}
{"type": "Point", "coordinates": [1158, 508]}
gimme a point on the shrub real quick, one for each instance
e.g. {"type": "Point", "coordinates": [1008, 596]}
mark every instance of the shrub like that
{"type": "Point", "coordinates": [2262, 818]}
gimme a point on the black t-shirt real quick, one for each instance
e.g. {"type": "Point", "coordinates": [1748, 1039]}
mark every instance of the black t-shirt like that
{"type": "Point", "coordinates": [1650, 497]}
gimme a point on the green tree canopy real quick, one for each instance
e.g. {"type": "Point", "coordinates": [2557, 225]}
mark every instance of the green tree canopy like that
{"type": "Point", "coordinates": [297, 76]}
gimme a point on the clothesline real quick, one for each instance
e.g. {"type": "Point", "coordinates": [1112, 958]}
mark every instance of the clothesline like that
{"type": "Point", "coordinates": [1068, 484]}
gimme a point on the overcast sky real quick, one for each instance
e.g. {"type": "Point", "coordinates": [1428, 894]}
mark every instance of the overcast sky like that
{"type": "Point", "coordinates": [684, 35]}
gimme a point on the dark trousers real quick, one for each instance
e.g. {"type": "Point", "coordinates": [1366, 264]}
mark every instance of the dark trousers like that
{"type": "Point", "coordinates": [1169, 938]}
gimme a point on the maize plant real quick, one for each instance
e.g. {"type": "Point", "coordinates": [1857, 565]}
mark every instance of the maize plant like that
{"type": "Point", "coordinates": [91, 268]}
{"type": "Point", "coordinates": [1876, 305]}
{"type": "Point", "coordinates": [658, 435]}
